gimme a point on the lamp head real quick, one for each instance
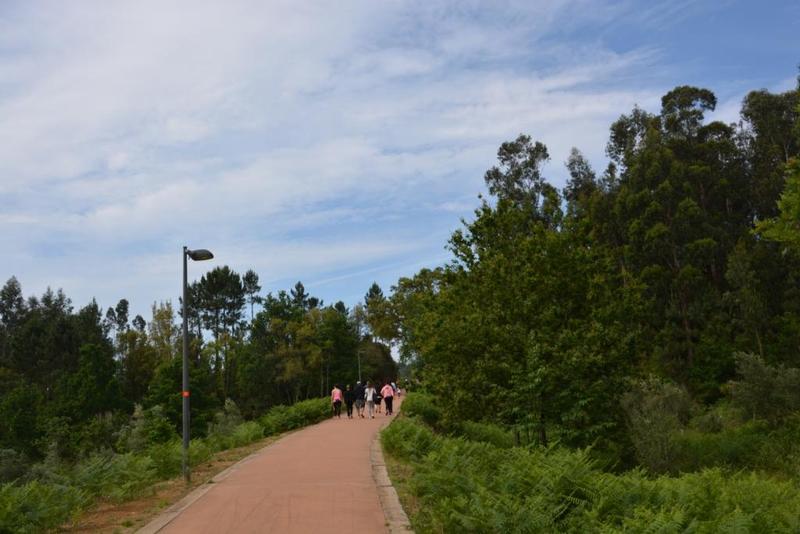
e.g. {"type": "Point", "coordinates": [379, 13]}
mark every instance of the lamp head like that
{"type": "Point", "coordinates": [199, 254]}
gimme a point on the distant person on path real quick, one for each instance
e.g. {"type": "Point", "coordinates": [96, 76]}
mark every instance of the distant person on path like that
{"type": "Point", "coordinates": [336, 400]}
{"type": "Point", "coordinates": [349, 398]}
{"type": "Point", "coordinates": [369, 396]}
{"type": "Point", "coordinates": [387, 391]}
{"type": "Point", "coordinates": [378, 399]}
{"type": "Point", "coordinates": [359, 395]}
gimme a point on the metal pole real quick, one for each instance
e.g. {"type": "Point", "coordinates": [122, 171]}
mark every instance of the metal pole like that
{"type": "Point", "coordinates": [185, 390]}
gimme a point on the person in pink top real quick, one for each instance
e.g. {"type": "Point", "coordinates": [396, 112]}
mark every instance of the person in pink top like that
{"type": "Point", "coordinates": [336, 400]}
{"type": "Point", "coordinates": [387, 392]}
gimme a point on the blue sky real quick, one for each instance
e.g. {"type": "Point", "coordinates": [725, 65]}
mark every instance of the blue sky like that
{"type": "Point", "coordinates": [335, 143]}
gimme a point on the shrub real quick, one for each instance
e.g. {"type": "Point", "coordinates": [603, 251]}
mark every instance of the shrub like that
{"type": "Point", "coordinates": [117, 477]}
{"type": "Point", "coordinates": [486, 433]}
{"type": "Point", "coordinates": [13, 465]}
{"type": "Point", "coordinates": [656, 411]}
{"type": "Point", "coordinates": [225, 420]}
{"type": "Point", "coordinates": [147, 427]}
{"type": "Point", "coordinates": [763, 391]}
{"type": "Point", "coordinates": [423, 406]}
{"type": "Point", "coordinates": [282, 418]}
{"type": "Point", "coordinates": [37, 506]}
{"type": "Point", "coordinates": [407, 440]}
{"type": "Point", "coordinates": [733, 447]}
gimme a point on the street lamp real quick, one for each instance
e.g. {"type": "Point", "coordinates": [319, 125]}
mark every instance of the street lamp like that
{"type": "Point", "coordinates": [196, 255]}
{"type": "Point", "coordinates": [358, 353]}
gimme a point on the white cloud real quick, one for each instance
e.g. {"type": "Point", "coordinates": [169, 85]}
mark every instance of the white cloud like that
{"type": "Point", "coordinates": [130, 128]}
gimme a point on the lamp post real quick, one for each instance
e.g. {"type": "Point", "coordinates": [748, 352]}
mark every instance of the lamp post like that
{"type": "Point", "coordinates": [196, 255]}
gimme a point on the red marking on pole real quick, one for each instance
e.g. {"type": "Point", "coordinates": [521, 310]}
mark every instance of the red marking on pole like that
{"type": "Point", "coordinates": [185, 393]}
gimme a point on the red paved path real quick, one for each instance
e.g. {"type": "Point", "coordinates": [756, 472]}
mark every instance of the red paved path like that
{"type": "Point", "coordinates": [318, 479]}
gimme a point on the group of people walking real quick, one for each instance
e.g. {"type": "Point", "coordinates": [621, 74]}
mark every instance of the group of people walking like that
{"type": "Point", "coordinates": [363, 396]}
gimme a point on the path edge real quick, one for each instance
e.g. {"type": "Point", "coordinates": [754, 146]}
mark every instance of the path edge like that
{"type": "Point", "coordinates": [396, 518]}
{"type": "Point", "coordinates": [167, 516]}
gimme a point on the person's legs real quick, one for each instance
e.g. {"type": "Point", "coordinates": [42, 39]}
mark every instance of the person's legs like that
{"type": "Point", "coordinates": [349, 410]}
{"type": "Point", "coordinates": [337, 408]}
{"type": "Point", "coordinates": [388, 401]}
{"type": "Point", "coordinates": [371, 408]}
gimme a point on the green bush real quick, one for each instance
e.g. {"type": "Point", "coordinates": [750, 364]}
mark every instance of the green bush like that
{"type": "Point", "coordinates": [13, 465]}
{"type": "Point", "coordinates": [37, 506]}
{"type": "Point", "coordinates": [461, 485]}
{"type": "Point", "coordinates": [736, 447]}
{"type": "Point", "coordinates": [423, 406]}
{"type": "Point", "coordinates": [167, 458]}
{"type": "Point", "coordinates": [656, 411]}
{"type": "Point", "coordinates": [225, 420]}
{"type": "Point", "coordinates": [282, 418]}
{"type": "Point", "coordinates": [146, 427]}
{"type": "Point", "coordinates": [407, 439]}
{"type": "Point", "coordinates": [486, 433]}
{"type": "Point", "coordinates": [763, 391]}
{"type": "Point", "coordinates": [117, 477]}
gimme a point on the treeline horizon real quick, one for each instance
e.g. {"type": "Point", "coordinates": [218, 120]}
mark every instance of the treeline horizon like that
{"type": "Point", "coordinates": [70, 379]}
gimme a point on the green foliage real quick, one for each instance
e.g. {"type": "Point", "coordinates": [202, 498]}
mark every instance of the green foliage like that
{"type": "Point", "coordinates": [116, 477]}
{"type": "Point", "coordinates": [656, 411]}
{"type": "Point", "coordinates": [13, 465]}
{"type": "Point", "coordinates": [463, 485]}
{"type": "Point", "coordinates": [763, 391]}
{"type": "Point", "coordinates": [147, 427]}
{"type": "Point", "coordinates": [282, 418]}
{"type": "Point", "coordinates": [225, 420]}
{"type": "Point", "coordinates": [37, 507]}
{"type": "Point", "coordinates": [486, 433]}
{"type": "Point", "coordinates": [423, 406]}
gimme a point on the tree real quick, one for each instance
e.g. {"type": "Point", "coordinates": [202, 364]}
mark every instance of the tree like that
{"type": "Point", "coordinates": [251, 289]}
{"type": "Point", "coordinates": [93, 389]}
{"type": "Point", "coordinates": [785, 228]}
{"type": "Point", "coordinates": [163, 333]}
{"type": "Point", "coordinates": [378, 314]}
{"type": "Point", "coordinates": [222, 298]}
{"type": "Point", "coordinates": [299, 296]}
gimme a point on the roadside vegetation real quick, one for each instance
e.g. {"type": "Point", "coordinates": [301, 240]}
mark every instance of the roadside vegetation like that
{"type": "Point", "coordinates": [472, 478]}
{"type": "Point", "coordinates": [52, 492]}
{"type": "Point", "coordinates": [621, 354]}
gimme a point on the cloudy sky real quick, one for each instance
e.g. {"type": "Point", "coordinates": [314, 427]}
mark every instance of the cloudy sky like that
{"type": "Point", "coordinates": [335, 143]}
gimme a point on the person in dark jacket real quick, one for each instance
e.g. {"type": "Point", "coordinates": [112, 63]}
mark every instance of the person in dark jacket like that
{"type": "Point", "coordinates": [359, 395]}
{"type": "Point", "coordinates": [349, 399]}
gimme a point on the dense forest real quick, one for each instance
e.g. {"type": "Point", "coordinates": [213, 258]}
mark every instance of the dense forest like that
{"type": "Point", "coordinates": [677, 264]}
{"type": "Point", "coordinates": [622, 354]}
{"type": "Point", "coordinates": [76, 382]}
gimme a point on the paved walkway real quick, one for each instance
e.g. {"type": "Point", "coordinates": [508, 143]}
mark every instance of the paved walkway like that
{"type": "Point", "coordinates": [318, 479]}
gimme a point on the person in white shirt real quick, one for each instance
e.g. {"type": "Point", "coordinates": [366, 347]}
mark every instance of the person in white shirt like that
{"type": "Point", "coordinates": [369, 396]}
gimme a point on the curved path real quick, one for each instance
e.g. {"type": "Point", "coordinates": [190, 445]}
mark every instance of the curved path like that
{"type": "Point", "coordinates": [318, 479]}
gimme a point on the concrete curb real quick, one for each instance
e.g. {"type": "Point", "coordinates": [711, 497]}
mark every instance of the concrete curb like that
{"type": "Point", "coordinates": [165, 518]}
{"type": "Point", "coordinates": [396, 518]}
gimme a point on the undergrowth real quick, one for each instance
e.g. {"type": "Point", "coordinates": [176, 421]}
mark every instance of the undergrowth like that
{"type": "Point", "coordinates": [464, 485]}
